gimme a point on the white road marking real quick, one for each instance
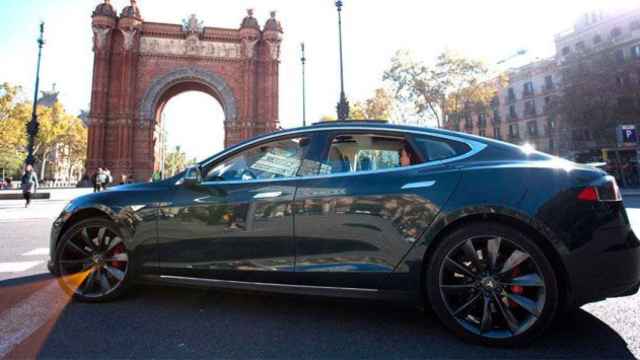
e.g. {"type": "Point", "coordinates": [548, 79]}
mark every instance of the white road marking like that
{"type": "Point", "coordinates": [37, 252]}
{"type": "Point", "coordinates": [14, 267]}
{"type": "Point", "coordinates": [23, 319]}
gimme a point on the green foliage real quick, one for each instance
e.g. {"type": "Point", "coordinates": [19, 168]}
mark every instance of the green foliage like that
{"type": "Point", "coordinates": [176, 161]}
{"type": "Point", "coordinates": [59, 131]}
{"type": "Point", "coordinates": [13, 117]}
{"type": "Point", "coordinates": [452, 85]}
{"type": "Point", "coordinates": [376, 108]}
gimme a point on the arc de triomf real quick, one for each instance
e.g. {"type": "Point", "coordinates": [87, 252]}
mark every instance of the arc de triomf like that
{"type": "Point", "coordinates": [139, 66]}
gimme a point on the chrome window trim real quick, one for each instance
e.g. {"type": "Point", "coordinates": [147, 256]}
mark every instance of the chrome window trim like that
{"type": "Point", "coordinates": [475, 146]}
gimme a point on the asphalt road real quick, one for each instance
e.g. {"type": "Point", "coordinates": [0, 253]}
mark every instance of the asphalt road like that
{"type": "Point", "coordinates": [158, 322]}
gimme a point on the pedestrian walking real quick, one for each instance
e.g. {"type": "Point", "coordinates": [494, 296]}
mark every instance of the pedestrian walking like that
{"type": "Point", "coordinates": [29, 184]}
{"type": "Point", "coordinates": [108, 178]}
{"type": "Point", "coordinates": [94, 180]}
{"type": "Point", "coordinates": [101, 180]}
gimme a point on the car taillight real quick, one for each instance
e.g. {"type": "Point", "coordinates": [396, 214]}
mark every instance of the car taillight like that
{"type": "Point", "coordinates": [608, 191]}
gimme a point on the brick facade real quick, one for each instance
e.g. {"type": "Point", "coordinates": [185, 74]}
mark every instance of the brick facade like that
{"type": "Point", "coordinates": [139, 66]}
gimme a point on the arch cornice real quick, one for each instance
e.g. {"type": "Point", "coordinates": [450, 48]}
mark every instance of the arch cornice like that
{"type": "Point", "coordinates": [163, 83]}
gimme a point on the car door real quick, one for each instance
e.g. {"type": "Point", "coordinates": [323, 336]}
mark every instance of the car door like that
{"type": "Point", "coordinates": [237, 223]}
{"type": "Point", "coordinates": [375, 195]}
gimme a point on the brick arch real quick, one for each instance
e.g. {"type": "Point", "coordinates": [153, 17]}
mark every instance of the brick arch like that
{"type": "Point", "coordinates": [165, 87]}
{"type": "Point", "coordinates": [140, 65]}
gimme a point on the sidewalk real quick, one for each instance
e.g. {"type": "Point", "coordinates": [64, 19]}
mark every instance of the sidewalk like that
{"type": "Point", "coordinates": [14, 210]}
{"type": "Point", "coordinates": [630, 192]}
{"type": "Point", "coordinates": [56, 194]}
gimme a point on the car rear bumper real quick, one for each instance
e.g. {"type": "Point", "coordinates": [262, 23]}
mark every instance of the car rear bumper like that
{"type": "Point", "coordinates": [599, 272]}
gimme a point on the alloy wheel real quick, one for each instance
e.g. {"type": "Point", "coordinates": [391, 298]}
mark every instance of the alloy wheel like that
{"type": "Point", "coordinates": [93, 262]}
{"type": "Point", "coordinates": [492, 287]}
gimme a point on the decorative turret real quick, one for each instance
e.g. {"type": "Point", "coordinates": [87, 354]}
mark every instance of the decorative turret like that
{"type": "Point", "coordinates": [104, 19]}
{"type": "Point", "coordinates": [105, 9]}
{"type": "Point", "coordinates": [250, 34]}
{"type": "Point", "coordinates": [249, 21]}
{"type": "Point", "coordinates": [131, 11]}
{"type": "Point", "coordinates": [273, 24]}
{"type": "Point", "coordinates": [273, 36]}
{"type": "Point", "coordinates": [130, 22]}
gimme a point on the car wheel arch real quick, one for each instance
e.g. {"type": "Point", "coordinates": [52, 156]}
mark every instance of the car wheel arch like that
{"type": "Point", "coordinates": [536, 232]}
{"type": "Point", "coordinates": [82, 215]}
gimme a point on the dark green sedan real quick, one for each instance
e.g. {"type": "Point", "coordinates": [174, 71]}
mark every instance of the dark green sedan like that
{"type": "Point", "coordinates": [496, 239]}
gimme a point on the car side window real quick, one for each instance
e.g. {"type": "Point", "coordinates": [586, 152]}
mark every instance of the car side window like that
{"type": "Point", "coordinates": [434, 149]}
{"type": "Point", "coordinates": [365, 152]}
{"type": "Point", "coordinates": [275, 160]}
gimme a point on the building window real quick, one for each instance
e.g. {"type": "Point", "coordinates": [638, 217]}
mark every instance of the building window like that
{"type": "Point", "coordinates": [528, 88]}
{"type": "Point", "coordinates": [514, 131]}
{"type": "Point", "coordinates": [566, 50]}
{"type": "Point", "coordinates": [532, 128]}
{"type": "Point", "coordinates": [468, 123]}
{"type": "Point", "coordinates": [482, 120]}
{"type": "Point", "coordinates": [496, 116]}
{"type": "Point", "coordinates": [635, 25]}
{"type": "Point", "coordinates": [619, 55]}
{"type": "Point", "coordinates": [635, 51]}
{"type": "Point", "coordinates": [530, 108]}
{"type": "Point", "coordinates": [597, 39]}
{"type": "Point", "coordinates": [497, 133]}
{"type": "Point", "coordinates": [580, 46]}
{"type": "Point", "coordinates": [616, 32]}
{"type": "Point", "coordinates": [495, 101]}
{"type": "Point", "coordinates": [482, 132]}
{"type": "Point", "coordinates": [513, 115]}
{"type": "Point", "coordinates": [548, 82]}
{"type": "Point", "coordinates": [512, 95]}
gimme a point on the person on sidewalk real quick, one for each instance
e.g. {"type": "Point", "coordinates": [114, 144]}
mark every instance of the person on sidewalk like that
{"type": "Point", "coordinates": [29, 184]}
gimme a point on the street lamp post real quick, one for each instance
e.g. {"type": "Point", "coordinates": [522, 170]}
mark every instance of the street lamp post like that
{"type": "Point", "coordinates": [303, 59]}
{"type": "Point", "coordinates": [343, 105]}
{"type": "Point", "coordinates": [33, 126]}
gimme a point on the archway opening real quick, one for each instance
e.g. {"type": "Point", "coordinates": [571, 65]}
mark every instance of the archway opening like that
{"type": "Point", "coordinates": [189, 128]}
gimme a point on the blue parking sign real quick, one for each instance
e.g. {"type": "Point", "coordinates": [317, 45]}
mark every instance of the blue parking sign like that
{"type": "Point", "coordinates": [628, 134]}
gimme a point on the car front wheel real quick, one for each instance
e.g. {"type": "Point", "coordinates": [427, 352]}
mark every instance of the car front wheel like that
{"type": "Point", "coordinates": [93, 262]}
{"type": "Point", "coordinates": [491, 284]}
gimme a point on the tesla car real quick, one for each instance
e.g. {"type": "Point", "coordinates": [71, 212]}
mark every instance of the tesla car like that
{"type": "Point", "coordinates": [496, 239]}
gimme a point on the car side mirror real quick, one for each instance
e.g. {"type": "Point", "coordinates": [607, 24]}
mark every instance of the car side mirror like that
{"type": "Point", "coordinates": [192, 176]}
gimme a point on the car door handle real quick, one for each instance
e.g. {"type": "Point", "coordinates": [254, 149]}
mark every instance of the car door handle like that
{"type": "Point", "coordinates": [419, 185]}
{"type": "Point", "coordinates": [268, 195]}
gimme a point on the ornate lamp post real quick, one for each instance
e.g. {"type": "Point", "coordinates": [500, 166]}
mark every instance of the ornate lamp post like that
{"type": "Point", "coordinates": [33, 126]}
{"type": "Point", "coordinates": [303, 59]}
{"type": "Point", "coordinates": [343, 104]}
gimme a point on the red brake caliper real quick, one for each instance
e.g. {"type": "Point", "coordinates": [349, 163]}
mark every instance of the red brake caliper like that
{"type": "Point", "coordinates": [516, 289]}
{"type": "Point", "coordinates": [119, 249]}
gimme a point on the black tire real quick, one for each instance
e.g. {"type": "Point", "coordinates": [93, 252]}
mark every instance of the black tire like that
{"type": "Point", "coordinates": [489, 301]}
{"type": "Point", "coordinates": [92, 261]}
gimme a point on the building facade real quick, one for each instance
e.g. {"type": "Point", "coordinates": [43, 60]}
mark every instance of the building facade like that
{"type": "Point", "coordinates": [522, 111]}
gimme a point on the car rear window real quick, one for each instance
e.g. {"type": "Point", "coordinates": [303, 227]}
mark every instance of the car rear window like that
{"type": "Point", "coordinates": [435, 149]}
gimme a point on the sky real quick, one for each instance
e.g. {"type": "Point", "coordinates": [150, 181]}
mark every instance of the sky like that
{"type": "Point", "coordinates": [374, 30]}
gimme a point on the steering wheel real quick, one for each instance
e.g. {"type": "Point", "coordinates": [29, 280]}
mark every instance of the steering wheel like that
{"type": "Point", "coordinates": [247, 175]}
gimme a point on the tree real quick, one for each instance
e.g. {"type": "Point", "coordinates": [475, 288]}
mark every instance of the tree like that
{"type": "Point", "coordinates": [600, 91]}
{"type": "Point", "coordinates": [176, 161]}
{"type": "Point", "coordinates": [376, 108]}
{"type": "Point", "coordinates": [452, 85]}
{"type": "Point", "coordinates": [325, 118]}
{"type": "Point", "coordinates": [13, 116]}
{"type": "Point", "coordinates": [56, 126]}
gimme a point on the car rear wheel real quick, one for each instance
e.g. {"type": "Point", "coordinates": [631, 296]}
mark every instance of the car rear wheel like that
{"type": "Point", "coordinates": [491, 284]}
{"type": "Point", "coordinates": [93, 262]}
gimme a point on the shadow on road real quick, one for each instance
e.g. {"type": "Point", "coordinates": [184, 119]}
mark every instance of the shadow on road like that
{"type": "Point", "coordinates": [163, 322]}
